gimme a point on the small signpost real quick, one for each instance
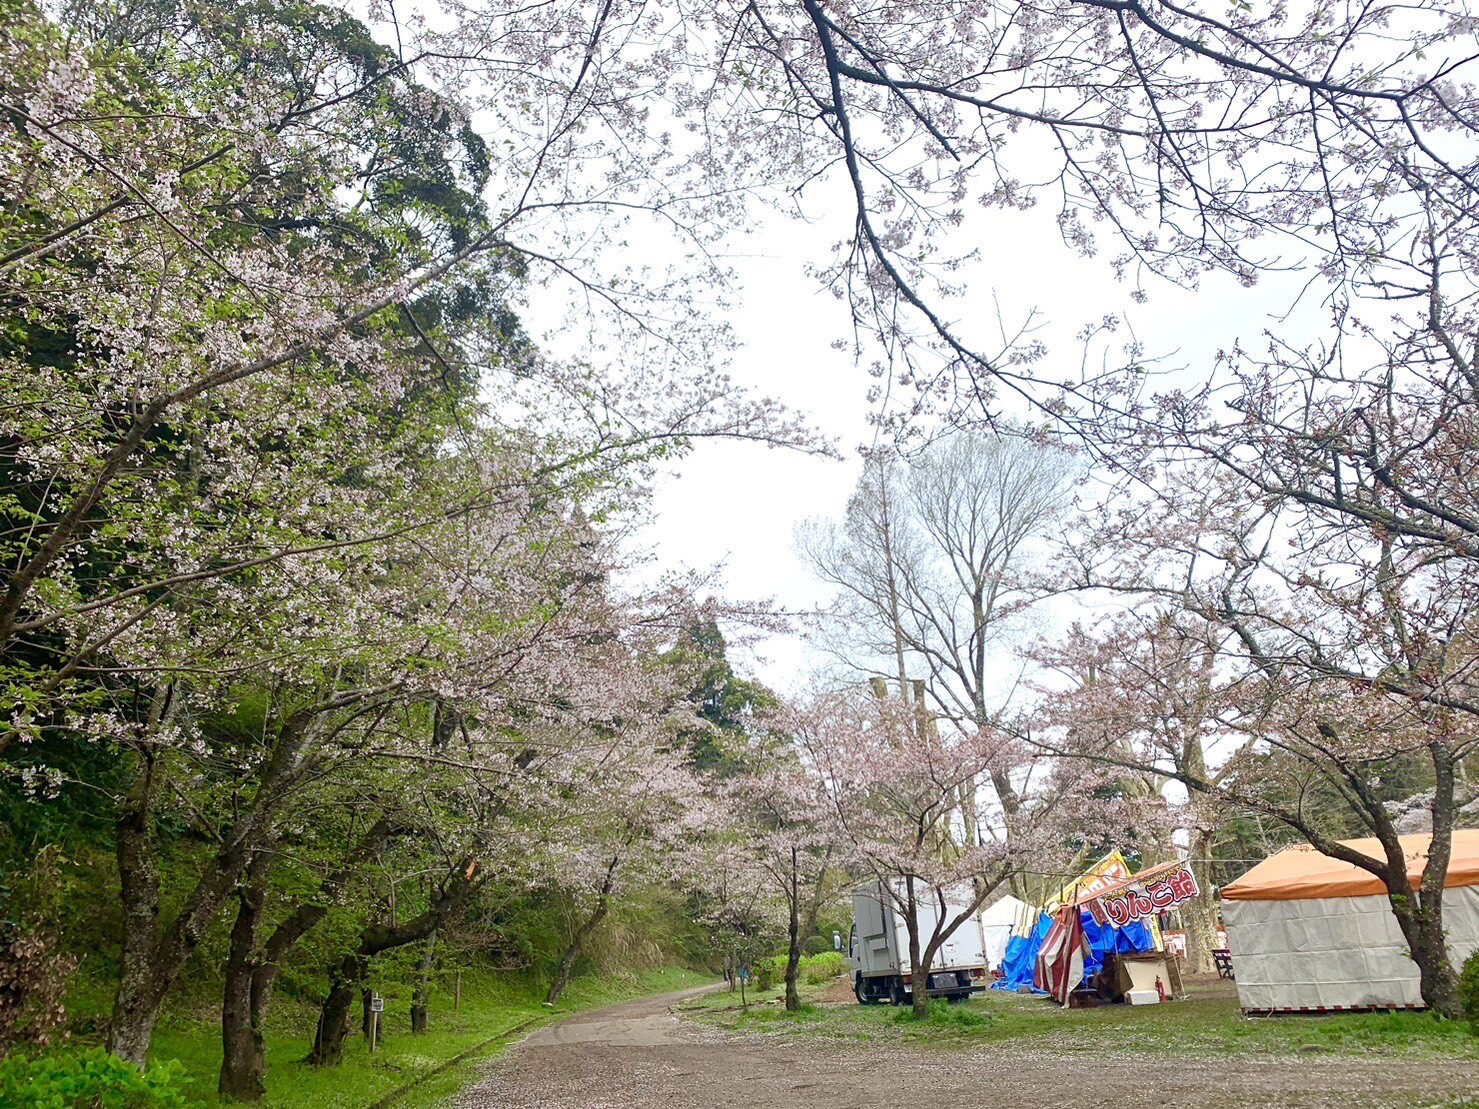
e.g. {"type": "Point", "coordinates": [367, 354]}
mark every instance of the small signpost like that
{"type": "Point", "coordinates": [377, 1006]}
{"type": "Point", "coordinates": [743, 974]}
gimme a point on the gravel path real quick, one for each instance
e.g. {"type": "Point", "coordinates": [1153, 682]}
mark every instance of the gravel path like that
{"type": "Point", "coordinates": [640, 1055]}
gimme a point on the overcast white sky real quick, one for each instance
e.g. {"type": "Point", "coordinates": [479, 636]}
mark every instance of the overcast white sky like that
{"type": "Point", "coordinates": [738, 504]}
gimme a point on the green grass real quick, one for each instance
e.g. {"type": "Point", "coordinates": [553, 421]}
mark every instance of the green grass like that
{"type": "Point", "coordinates": [490, 1006]}
{"type": "Point", "coordinates": [816, 975]}
{"type": "Point", "coordinates": [1208, 1025]}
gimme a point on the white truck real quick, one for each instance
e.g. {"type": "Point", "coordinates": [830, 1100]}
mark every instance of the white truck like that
{"type": "Point", "coordinates": [878, 948]}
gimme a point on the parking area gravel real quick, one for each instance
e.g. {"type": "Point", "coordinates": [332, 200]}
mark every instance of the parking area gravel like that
{"type": "Point", "coordinates": [643, 1054]}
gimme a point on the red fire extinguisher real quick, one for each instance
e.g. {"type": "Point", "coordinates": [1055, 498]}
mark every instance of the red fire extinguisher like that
{"type": "Point", "coordinates": [1160, 988]}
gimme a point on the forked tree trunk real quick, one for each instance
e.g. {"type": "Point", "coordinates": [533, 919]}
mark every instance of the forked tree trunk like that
{"type": "Point", "coordinates": [155, 952]}
{"type": "Point", "coordinates": [583, 933]}
{"type": "Point", "coordinates": [919, 970]}
{"type": "Point", "coordinates": [1419, 912]}
{"type": "Point", "coordinates": [251, 970]}
{"type": "Point", "coordinates": [1429, 949]}
{"type": "Point", "coordinates": [347, 975]}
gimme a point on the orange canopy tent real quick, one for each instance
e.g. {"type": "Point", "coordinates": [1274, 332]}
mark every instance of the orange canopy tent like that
{"type": "Point", "coordinates": [1300, 872]}
{"type": "Point", "coordinates": [1313, 933]}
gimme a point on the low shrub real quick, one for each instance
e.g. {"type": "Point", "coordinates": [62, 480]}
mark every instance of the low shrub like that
{"type": "Point", "coordinates": [765, 976]}
{"type": "Point", "coordinates": [816, 945]}
{"type": "Point", "coordinates": [88, 1080]}
{"type": "Point", "coordinates": [823, 967]}
{"type": "Point", "coordinates": [813, 969]}
{"type": "Point", "coordinates": [1468, 990]}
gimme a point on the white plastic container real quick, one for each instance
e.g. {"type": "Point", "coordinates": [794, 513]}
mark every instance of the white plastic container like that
{"type": "Point", "coordinates": [1143, 997]}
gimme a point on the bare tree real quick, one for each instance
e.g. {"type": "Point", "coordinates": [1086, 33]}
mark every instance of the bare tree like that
{"type": "Point", "coordinates": [934, 562]}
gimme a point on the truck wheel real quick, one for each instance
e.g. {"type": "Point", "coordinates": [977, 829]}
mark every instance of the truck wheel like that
{"type": "Point", "coordinates": [897, 996]}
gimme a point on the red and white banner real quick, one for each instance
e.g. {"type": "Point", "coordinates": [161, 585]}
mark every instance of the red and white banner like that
{"type": "Point", "coordinates": [1060, 960]}
{"type": "Point", "coordinates": [1144, 897]}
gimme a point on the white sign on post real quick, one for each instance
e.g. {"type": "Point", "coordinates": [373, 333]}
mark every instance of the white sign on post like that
{"type": "Point", "coordinates": [377, 1004]}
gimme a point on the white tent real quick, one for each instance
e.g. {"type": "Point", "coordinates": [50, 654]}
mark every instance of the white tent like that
{"type": "Point", "coordinates": [998, 920]}
{"type": "Point", "coordinates": [1309, 932]}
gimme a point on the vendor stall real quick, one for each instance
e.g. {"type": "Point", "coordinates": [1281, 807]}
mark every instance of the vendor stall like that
{"type": "Point", "coordinates": [1108, 926]}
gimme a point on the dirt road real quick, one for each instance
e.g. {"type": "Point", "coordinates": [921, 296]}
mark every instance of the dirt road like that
{"type": "Point", "coordinates": [640, 1055]}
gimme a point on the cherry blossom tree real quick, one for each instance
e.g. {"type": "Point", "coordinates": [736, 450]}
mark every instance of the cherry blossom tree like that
{"type": "Point", "coordinates": [1343, 647]}
{"type": "Point", "coordinates": [1184, 140]}
{"type": "Point", "coordinates": [644, 818]}
{"type": "Point", "coordinates": [782, 816]}
{"type": "Point", "coordinates": [255, 288]}
{"type": "Point", "coordinates": [893, 796]}
{"type": "Point", "coordinates": [734, 899]}
{"type": "Point", "coordinates": [1145, 694]}
{"type": "Point", "coordinates": [199, 279]}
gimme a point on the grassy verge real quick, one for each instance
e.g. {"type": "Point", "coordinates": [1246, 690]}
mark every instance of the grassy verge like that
{"type": "Point", "coordinates": [817, 974]}
{"type": "Point", "coordinates": [1210, 1024]}
{"type": "Point", "coordinates": [490, 1006]}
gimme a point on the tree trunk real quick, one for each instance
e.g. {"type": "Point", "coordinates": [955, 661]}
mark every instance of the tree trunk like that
{"type": "Point", "coordinates": [348, 974]}
{"type": "Point", "coordinates": [583, 933]}
{"type": "Point", "coordinates": [333, 1018]}
{"type": "Point", "coordinates": [251, 972]}
{"type": "Point", "coordinates": [1420, 912]}
{"type": "Point", "coordinates": [1437, 981]}
{"type": "Point", "coordinates": [243, 1052]}
{"type": "Point", "coordinates": [421, 997]}
{"type": "Point", "coordinates": [918, 969]}
{"type": "Point", "coordinates": [793, 948]}
{"type": "Point", "coordinates": [1200, 913]}
{"type": "Point", "coordinates": [132, 1028]}
{"type": "Point", "coordinates": [154, 954]}
{"type": "Point", "coordinates": [136, 1003]}
{"type": "Point", "coordinates": [1420, 916]}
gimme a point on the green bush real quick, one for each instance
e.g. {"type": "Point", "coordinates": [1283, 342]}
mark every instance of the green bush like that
{"type": "Point", "coordinates": [764, 976]}
{"type": "Point", "coordinates": [816, 945]}
{"type": "Point", "coordinates": [813, 969]}
{"type": "Point", "coordinates": [1468, 990]}
{"type": "Point", "coordinates": [88, 1080]}
{"type": "Point", "coordinates": [823, 968]}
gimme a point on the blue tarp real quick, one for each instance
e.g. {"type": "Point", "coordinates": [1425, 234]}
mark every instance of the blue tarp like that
{"type": "Point", "coordinates": [1021, 954]}
{"type": "Point", "coordinates": [1108, 939]}
{"type": "Point", "coordinates": [1021, 957]}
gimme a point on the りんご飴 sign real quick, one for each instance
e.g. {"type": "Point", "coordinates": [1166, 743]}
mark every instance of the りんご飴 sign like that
{"type": "Point", "coordinates": [1140, 899]}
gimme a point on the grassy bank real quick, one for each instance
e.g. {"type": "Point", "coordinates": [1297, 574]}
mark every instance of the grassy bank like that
{"type": "Point", "coordinates": [491, 1006]}
{"type": "Point", "coordinates": [1210, 1024]}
